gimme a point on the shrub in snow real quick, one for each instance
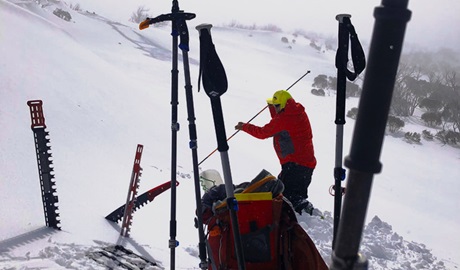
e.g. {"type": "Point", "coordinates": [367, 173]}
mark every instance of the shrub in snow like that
{"type": "Point", "coordinates": [448, 137]}
{"type": "Point", "coordinates": [427, 135]}
{"type": "Point", "coordinates": [321, 81]}
{"type": "Point", "coordinates": [318, 92]}
{"type": "Point", "coordinates": [432, 105]}
{"type": "Point", "coordinates": [432, 119]}
{"type": "Point", "coordinates": [394, 123]}
{"type": "Point", "coordinates": [314, 46]}
{"type": "Point", "coordinates": [353, 113]}
{"type": "Point", "coordinates": [139, 15]}
{"type": "Point", "coordinates": [412, 137]}
{"type": "Point", "coordinates": [271, 27]}
{"type": "Point", "coordinates": [62, 14]}
{"type": "Point", "coordinates": [75, 7]}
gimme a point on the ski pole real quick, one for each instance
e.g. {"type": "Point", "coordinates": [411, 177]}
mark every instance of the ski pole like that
{"type": "Point", "coordinates": [193, 145]}
{"type": "Point", "coordinates": [391, 18]}
{"type": "Point", "coordinates": [339, 172]}
{"type": "Point", "coordinates": [177, 18]}
{"type": "Point", "coordinates": [346, 31]}
{"type": "Point", "coordinates": [257, 114]}
{"type": "Point", "coordinates": [215, 85]}
{"type": "Point", "coordinates": [183, 31]}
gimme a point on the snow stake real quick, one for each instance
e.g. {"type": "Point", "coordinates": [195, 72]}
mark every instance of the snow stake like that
{"type": "Point", "coordinates": [132, 192]}
{"type": "Point", "coordinates": [44, 162]}
{"type": "Point", "coordinates": [391, 18]}
{"type": "Point", "coordinates": [346, 31]}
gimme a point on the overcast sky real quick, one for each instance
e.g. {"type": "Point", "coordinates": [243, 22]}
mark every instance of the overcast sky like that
{"type": "Point", "coordinates": [433, 23]}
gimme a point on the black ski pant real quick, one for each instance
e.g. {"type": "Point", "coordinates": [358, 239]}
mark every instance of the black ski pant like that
{"type": "Point", "coordinates": [296, 179]}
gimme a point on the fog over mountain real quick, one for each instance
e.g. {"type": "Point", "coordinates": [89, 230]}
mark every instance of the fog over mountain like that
{"type": "Point", "coordinates": [434, 24]}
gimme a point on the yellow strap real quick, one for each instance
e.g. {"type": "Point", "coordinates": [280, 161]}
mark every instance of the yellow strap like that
{"type": "Point", "coordinates": [251, 188]}
{"type": "Point", "coordinates": [258, 184]}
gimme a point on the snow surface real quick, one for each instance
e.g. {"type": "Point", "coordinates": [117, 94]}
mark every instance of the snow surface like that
{"type": "Point", "coordinates": [105, 87]}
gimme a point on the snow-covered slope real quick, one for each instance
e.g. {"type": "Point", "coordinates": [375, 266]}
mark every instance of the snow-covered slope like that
{"type": "Point", "coordinates": [105, 86]}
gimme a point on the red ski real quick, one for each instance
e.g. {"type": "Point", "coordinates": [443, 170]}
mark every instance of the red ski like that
{"type": "Point", "coordinates": [140, 201]}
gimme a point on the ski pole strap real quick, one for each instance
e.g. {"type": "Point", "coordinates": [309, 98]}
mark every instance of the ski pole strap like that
{"type": "Point", "coordinates": [357, 52]}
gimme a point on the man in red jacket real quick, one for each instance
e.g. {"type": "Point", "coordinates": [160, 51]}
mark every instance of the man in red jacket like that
{"type": "Point", "coordinates": [292, 140]}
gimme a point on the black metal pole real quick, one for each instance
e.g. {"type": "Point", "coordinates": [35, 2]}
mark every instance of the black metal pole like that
{"type": "Point", "coordinates": [341, 65]}
{"type": "Point", "coordinates": [184, 46]}
{"type": "Point", "coordinates": [386, 45]}
{"type": "Point", "coordinates": [174, 129]}
{"type": "Point", "coordinates": [178, 27]}
{"type": "Point", "coordinates": [231, 201]}
{"type": "Point", "coordinates": [173, 243]}
{"type": "Point", "coordinates": [215, 85]}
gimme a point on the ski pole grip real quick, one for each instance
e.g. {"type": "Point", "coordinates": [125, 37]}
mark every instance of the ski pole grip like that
{"type": "Point", "coordinates": [341, 61]}
{"type": "Point", "coordinates": [204, 27]}
{"type": "Point", "coordinates": [340, 17]}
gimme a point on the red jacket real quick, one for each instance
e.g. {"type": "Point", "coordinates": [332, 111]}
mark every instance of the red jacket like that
{"type": "Point", "coordinates": [291, 132]}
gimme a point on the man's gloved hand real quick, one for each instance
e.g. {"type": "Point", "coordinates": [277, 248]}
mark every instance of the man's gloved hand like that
{"type": "Point", "coordinates": [239, 126]}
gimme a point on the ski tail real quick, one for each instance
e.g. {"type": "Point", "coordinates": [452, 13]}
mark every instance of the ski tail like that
{"type": "Point", "coordinates": [140, 201]}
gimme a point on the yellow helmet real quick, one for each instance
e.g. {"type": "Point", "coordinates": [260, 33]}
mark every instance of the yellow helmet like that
{"type": "Point", "coordinates": [279, 98]}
